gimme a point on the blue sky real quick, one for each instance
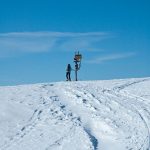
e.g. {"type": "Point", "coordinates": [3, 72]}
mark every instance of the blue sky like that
{"type": "Point", "coordinates": [38, 39]}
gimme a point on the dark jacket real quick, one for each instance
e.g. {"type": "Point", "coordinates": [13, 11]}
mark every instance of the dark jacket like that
{"type": "Point", "coordinates": [68, 69]}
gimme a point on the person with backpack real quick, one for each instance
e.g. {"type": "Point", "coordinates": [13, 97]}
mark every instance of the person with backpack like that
{"type": "Point", "coordinates": [68, 72]}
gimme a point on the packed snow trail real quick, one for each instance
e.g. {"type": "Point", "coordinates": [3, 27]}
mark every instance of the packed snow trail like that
{"type": "Point", "coordinates": [87, 115]}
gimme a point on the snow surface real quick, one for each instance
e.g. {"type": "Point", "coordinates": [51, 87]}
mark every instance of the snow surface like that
{"type": "Point", "coordinates": [86, 115]}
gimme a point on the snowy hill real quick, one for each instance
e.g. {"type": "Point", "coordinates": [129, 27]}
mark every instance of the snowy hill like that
{"type": "Point", "coordinates": [87, 115]}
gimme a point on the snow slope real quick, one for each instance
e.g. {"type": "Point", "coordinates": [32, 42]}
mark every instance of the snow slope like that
{"type": "Point", "coordinates": [87, 115]}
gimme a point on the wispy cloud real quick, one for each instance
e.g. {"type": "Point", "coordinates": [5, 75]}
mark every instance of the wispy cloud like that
{"type": "Point", "coordinates": [111, 57]}
{"type": "Point", "coordinates": [26, 42]}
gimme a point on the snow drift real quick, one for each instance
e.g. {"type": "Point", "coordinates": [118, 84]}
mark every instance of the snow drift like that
{"type": "Point", "coordinates": [87, 115]}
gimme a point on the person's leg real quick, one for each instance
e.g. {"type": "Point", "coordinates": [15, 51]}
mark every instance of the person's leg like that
{"type": "Point", "coordinates": [67, 76]}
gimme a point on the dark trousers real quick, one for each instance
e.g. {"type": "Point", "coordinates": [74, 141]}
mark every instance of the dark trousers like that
{"type": "Point", "coordinates": [68, 76]}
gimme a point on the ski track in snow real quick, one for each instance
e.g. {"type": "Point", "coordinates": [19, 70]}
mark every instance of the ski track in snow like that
{"type": "Point", "coordinates": [140, 108]}
{"type": "Point", "coordinates": [89, 114]}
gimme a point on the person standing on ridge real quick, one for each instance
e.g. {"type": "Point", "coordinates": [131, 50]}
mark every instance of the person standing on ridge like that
{"type": "Point", "coordinates": [68, 72]}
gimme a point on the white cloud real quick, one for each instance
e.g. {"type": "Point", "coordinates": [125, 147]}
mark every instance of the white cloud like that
{"type": "Point", "coordinates": [110, 57]}
{"type": "Point", "coordinates": [25, 42]}
{"type": "Point", "coordinates": [53, 34]}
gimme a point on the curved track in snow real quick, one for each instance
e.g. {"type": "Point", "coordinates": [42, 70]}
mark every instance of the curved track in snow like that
{"type": "Point", "coordinates": [140, 107]}
{"type": "Point", "coordinates": [137, 105]}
